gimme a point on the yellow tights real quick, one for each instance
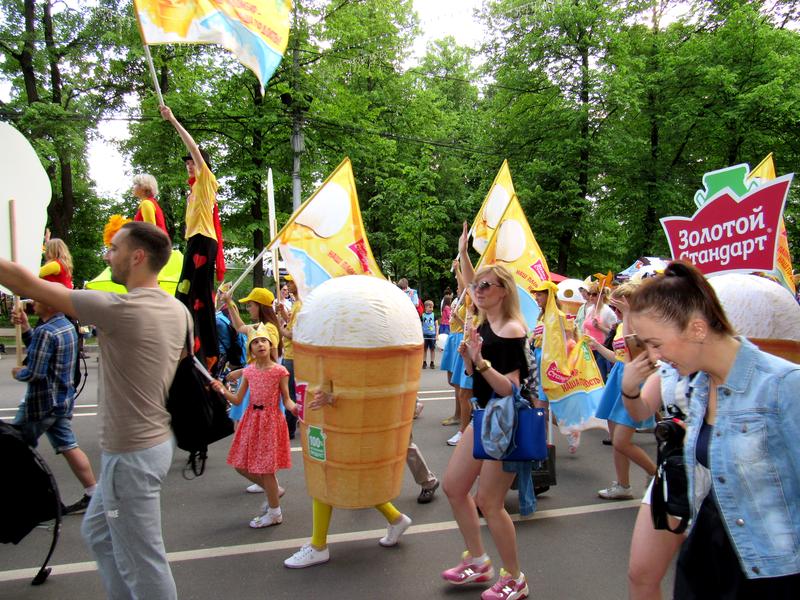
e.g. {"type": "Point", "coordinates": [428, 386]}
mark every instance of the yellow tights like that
{"type": "Point", "coordinates": [321, 520]}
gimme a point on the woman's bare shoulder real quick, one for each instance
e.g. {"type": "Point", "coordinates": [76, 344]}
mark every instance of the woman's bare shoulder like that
{"type": "Point", "coordinates": [512, 329]}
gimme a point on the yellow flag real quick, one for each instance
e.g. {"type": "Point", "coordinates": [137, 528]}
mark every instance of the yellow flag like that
{"type": "Point", "coordinates": [256, 31]}
{"type": "Point", "coordinates": [325, 237]}
{"type": "Point", "coordinates": [783, 259]}
{"type": "Point", "coordinates": [513, 246]}
{"type": "Point", "coordinates": [492, 209]}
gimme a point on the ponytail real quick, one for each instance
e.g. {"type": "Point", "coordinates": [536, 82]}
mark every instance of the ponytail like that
{"type": "Point", "coordinates": [678, 295]}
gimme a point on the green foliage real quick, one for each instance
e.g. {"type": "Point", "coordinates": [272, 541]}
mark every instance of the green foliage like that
{"type": "Point", "coordinates": [608, 113]}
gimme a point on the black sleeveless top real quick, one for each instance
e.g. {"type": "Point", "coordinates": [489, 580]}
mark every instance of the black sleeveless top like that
{"type": "Point", "coordinates": [505, 354]}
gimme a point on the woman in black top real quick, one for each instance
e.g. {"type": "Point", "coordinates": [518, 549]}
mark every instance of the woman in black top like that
{"type": "Point", "coordinates": [494, 355]}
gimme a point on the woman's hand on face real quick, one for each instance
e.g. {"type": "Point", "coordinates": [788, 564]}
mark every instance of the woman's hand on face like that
{"type": "Point", "coordinates": [635, 373]}
{"type": "Point", "coordinates": [592, 343]}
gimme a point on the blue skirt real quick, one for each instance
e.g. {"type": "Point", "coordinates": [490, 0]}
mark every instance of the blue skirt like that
{"type": "Point", "coordinates": [450, 351]}
{"type": "Point", "coordinates": [612, 407]}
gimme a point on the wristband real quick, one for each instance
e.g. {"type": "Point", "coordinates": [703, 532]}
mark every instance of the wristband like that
{"type": "Point", "coordinates": [638, 394]}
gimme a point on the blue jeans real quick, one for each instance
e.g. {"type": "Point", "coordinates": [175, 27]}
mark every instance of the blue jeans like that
{"type": "Point", "coordinates": [57, 428]}
{"type": "Point", "coordinates": [122, 525]}
{"type": "Point", "coordinates": [524, 471]}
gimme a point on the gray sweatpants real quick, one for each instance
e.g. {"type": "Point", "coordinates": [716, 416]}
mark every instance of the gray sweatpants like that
{"type": "Point", "coordinates": [122, 525]}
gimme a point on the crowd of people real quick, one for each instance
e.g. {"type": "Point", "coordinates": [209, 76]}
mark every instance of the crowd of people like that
{"type": "Point", "coordinates": [662, 345]}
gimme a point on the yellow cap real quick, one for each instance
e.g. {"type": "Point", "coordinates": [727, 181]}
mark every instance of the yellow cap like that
{"type": "Point", "coordinates": [260, 295]}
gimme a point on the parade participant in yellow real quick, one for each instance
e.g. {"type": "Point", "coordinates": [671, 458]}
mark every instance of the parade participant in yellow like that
{"type": "Point", "coordinates": [203, 241]}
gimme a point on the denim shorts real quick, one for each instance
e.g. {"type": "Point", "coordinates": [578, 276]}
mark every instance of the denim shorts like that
{"type": "Point", "coordinates": [58, 431]}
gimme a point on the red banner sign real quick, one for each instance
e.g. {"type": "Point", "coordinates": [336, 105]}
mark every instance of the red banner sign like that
{"type": "Point", "coordinates": [727, 234]}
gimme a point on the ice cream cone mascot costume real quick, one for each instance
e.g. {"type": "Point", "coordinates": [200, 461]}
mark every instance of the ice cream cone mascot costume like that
{"type": "Point", "coordinates": [358, 345]}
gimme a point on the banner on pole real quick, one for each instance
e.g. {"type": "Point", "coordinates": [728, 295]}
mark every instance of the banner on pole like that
{"type": "Point", "coordinates": [325, 237]}
{"type": "Point", "coordinates": [514, 246]}
{"type": "Point", "coordinates": [256, 31]}
{"type": "Point", "coordinates": [492, 209]}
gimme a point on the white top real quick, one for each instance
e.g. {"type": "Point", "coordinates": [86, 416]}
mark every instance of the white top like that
{"type": "Point", "coordinates": [357, 311]}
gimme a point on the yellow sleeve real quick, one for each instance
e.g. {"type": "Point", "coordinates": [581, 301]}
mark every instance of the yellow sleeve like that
{"type": "Point", "coordinates": [148, 211]}
{"type": "Point", "coordinates": [50, 268]}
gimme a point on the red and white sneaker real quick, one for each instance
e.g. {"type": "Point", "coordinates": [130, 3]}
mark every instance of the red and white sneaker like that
{"type": "Point", "coordinates": [507, 588]}
{"type": "Point", "coordinates": [468, 572]}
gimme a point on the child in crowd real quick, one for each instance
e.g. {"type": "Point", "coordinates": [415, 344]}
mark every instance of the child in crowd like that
{"type": "Point", "coordinates": [429, 328]}
{"type": "Point", "coordinates": [58, 263]}
{"type": "Point", "coordinates": [261, 444]}
{"type": "Point", "coordinates": [444, 323]}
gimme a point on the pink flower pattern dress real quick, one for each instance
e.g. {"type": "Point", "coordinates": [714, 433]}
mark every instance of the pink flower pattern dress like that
{"type": "Point", "coordinates": [261, 443]}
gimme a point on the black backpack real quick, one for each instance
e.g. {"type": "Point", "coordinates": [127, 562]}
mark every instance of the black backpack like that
{"type": "Point", "coordinates": [199, 414]}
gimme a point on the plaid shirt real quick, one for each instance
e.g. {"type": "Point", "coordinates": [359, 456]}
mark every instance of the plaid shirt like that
{"type": "Point", "coordinates": [52, 352]}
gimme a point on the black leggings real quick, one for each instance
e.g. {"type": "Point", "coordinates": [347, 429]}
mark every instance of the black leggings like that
{"type": "Point", "coordinates": [196, 291]}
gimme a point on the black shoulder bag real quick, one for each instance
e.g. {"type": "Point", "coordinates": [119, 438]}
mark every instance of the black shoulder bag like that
{"type": "Point", "coordinates": [199, 414]}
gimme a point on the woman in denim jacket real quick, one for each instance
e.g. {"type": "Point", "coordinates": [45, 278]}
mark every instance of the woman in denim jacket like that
{"type": "Point", "coordinates": [741, 451]}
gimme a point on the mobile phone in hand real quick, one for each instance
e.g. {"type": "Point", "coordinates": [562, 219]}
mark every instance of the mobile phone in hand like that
{"type": "Point", "coordinates": [635, 345]}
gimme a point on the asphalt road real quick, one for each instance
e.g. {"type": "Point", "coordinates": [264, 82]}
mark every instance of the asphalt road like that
{"type": "Point", "coordinates": [575, 548]}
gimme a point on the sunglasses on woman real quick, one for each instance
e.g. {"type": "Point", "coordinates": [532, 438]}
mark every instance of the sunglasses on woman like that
{"type": "Point", "coordinates": [484, 285]}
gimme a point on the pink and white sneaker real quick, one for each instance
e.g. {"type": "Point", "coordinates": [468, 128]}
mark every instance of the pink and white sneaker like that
{"type": "Point", "coordinates": [507, 588]}
{"type": "Point", "coordinates": [469, 572]}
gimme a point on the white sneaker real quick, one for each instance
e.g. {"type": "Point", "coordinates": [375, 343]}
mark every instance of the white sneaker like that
{"type": "Point", "coordinates": [453, 441]}
{"type": "Point", "coordinates": [616, 492]}
{"type": "Point", "coordinates": [268, 519]}
{"type": "Point", "coordinates": [307, 556]}
{"type": "Point", "coordinates": [393, 532]}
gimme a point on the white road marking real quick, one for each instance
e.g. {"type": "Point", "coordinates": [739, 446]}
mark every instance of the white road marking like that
{"type": "Point", "coordinates": [210, 553]}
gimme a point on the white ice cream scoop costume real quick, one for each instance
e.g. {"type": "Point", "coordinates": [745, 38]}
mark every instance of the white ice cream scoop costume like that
{"type": "Point", "coordinates": [359, 338]}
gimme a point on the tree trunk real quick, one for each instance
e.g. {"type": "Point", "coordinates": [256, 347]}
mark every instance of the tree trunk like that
{"type": "Point", "coordinates": [62, 206]}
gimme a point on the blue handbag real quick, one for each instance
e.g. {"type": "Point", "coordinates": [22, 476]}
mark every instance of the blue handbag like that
{"type": "Point", "coordinates": [509, 429]}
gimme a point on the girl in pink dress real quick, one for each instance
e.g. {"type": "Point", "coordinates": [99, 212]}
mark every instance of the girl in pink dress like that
{"type": "Point", "coordinates": [261, 444]}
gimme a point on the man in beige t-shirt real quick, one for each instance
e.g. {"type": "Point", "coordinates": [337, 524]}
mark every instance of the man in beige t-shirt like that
{"type": "Point", "coordinates": [141, 336]}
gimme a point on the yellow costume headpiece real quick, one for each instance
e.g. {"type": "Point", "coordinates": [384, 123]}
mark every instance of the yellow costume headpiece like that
{"type": "Point", "coordinates": [267, 331]}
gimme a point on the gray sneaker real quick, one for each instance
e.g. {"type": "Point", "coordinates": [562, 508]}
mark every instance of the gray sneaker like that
{"type": "Point", "coordinates": [426, 494]}
{"type": "Point", "coordinates": [616, 492]}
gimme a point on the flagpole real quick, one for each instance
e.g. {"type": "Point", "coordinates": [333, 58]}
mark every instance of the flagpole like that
{"type": "Point", "coordinates": [276, 273]}
{"type": "Point", "coordinates": [247, 270]}
{"type": "Point", "coordinates": [12, 222]}
{"type": "Point", "coordinates": [153, 74]}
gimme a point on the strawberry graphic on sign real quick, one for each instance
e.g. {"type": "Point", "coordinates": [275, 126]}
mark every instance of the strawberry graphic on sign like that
{"type": "Point", "coordinates": [359, 248]}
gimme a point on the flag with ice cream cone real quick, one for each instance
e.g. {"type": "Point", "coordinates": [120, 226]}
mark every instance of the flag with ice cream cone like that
{"type": "Point", "coordinates": [325, 237]}
{"type": "Point", "coordinates": [256, 31]}
{"type": "Point", "coordinates": [514, 246]}
{"type": "Point", "coordinates": [492, 209]}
